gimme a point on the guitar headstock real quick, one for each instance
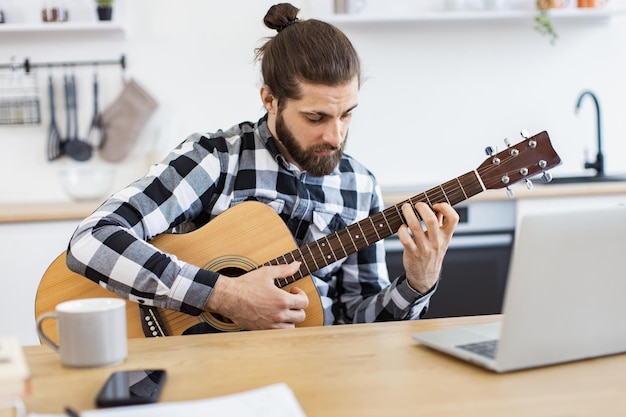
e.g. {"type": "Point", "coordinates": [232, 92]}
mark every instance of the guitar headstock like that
{"type": "Point", "coordinates": [518, 162]}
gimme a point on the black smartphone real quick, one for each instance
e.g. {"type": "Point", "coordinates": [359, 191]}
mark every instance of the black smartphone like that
{"type": "Point", "coordinates": [131, 387]}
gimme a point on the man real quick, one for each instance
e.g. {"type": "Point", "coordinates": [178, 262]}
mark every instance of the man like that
{"type": "Point", "coordinates": [292, 160]}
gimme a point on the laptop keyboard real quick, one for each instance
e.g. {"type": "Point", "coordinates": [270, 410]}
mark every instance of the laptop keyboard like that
{"type": "Point", "coordinates": [487, 348]}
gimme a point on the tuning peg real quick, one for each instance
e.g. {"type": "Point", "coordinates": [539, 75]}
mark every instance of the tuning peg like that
{"type": "Point", "coordinates": [509, 192]}
{"type": "Point", "coordinates": [507, 142]}
{"type": "Point", "coordinates": [546, 177]}
{"type": "Point", "coordinates": [489, 150]}
{"type": "Point", "coordinates": [524, 133]}
{"type": "Point", "coordinates": [529, 184]}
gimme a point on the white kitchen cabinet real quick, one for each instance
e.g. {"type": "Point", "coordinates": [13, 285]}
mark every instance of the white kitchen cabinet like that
{"type": "Point", "coordinates": [26, 251]}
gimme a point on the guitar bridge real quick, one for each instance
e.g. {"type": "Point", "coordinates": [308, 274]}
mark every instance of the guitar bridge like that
{"type": "Point", "coordinates": [151, 322]}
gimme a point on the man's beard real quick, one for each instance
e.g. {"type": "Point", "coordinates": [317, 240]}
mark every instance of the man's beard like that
{"type": "Point", "coordinates": [307, 159]}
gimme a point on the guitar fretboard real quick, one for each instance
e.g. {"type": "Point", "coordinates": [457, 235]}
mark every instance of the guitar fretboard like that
{"type": "Point", "coordinates": [335, 246]}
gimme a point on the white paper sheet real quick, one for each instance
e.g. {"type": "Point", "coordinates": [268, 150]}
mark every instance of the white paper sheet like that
{"type": "Point", "coordinates": [275, 400]}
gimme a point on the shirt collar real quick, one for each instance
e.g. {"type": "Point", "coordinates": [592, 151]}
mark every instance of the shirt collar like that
{"type": "Point", "coordinates": [270, 143]}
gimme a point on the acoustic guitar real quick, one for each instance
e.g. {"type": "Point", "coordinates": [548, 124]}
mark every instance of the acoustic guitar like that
{"type": "Point", "coordinates": [252, 235]}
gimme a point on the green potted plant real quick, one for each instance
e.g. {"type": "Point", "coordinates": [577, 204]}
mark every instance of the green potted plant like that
{"type": "Point", "coordinates": [105, 9]}
{"type": "Point", "coordinates": [543, 23]}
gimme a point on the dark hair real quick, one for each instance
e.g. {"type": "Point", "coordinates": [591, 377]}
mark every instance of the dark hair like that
{"type": "Point", "coordinates": [304, 50]}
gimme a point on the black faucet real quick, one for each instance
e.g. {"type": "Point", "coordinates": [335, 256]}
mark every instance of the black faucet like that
{"type": "Point", "coordinates": [598, 165]}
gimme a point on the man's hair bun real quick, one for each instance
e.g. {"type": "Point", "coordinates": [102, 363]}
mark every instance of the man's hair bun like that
{"type": "Point", "coordinates": [281, 16]}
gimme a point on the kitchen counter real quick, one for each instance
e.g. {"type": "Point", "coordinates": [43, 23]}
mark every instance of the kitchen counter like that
{"type": "Point", "coordinates": [54, 211]}
{"type": "Point", "coordinates": [520, 191]}
{"type": "Point", "coordinates": [43, 211]}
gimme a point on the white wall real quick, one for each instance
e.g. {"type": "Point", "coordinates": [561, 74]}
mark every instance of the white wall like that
{"type": "Point", "coordinates": [436, 93]}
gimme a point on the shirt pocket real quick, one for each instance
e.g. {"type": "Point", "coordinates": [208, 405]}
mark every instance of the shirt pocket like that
{"type": "Point", "coordinates": [326, 222]}
{"type": "Point", "coordinates": [276, 204]}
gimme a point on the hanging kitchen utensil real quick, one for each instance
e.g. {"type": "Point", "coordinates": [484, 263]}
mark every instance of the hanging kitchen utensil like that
{"type": "Point", "coordinates": [54, 137]}
{"type": "Point", "coordinates": [68, 111]}
{"type": "Point", "coordinates": [95, 134]}
{"type": "Point", "coordinates": [75, 148]}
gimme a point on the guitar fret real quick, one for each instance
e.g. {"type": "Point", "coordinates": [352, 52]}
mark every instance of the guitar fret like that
{"type": "Point", "coordinates": [374, 228]}
{"type": "Point", "coordinates": [392, 218]}
{"type": "Point", "coordinates": [461, 187]}
{"type": "Point", "coordinates": [428, 199]}
{"type": "Point", "coordinates": [332, 252]}
{"type": "Point", "coordinates": [281, 282]}
{"type": "Point", "coordinates": [336, 236]}
{"type": "Point", "coordinates": [387, 223]}
{"type": "Point", "coordinates": [363, 234]}
{"type": "Point", "coordinates": [400, 216]}
{"type": "Point", "coordinates": [370, 232]}
{"type": "Point", "coordinates": [412, 204]}
{"type": "Point", "coordinates": [284, 280]}
{"type": "Point", "coordinates": [319, 248]}
{"type": "Point", "coordinates": [304, 263]}
{"type": "Point", "coordinates": [346, 243]}
{"type": "Point", "coordinates": [293, 278]}
{"type": "Point", "coordinates": [444, 194]}
{"type": "Point", "coordinates": [354, 245]}
{"type": "Point", "coordinates": [317, 267]}
{"type": "Point", "coordinates": [322, 258]}
{"type": "Point", "coordinates": [296, 276]}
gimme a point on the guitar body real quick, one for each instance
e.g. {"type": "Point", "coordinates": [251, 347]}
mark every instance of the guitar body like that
{"type": "Point", "coordinates": [241, 239]}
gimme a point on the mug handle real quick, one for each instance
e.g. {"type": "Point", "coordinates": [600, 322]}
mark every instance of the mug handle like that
{"type": "Point", "coordinates": [15, 404]}
{"type": "Point", "coordinates": [46, 339]}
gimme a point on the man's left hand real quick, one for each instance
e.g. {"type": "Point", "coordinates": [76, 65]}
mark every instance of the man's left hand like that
{"type": "Point", "coordinates": [426, 242]}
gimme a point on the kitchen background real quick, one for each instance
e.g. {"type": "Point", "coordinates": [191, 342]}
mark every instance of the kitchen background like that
{"type": "Point", "coordinates": [444, 79]}
{"type": "Point", "coordinates": [440, 85]}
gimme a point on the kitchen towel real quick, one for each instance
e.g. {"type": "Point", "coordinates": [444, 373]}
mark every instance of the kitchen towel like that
{"type": "Point", "coordinates": [124, 120]}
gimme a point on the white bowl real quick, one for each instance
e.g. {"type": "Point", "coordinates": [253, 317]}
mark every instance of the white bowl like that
{"type": "Point", "coordinates": [83, 183]}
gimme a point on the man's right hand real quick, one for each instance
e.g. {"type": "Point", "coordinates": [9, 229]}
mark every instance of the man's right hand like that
{"type": "Point", "coordinates": [253, 302]}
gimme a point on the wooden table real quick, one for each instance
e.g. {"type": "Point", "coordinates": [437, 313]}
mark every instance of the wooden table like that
{"type": "Point", "coordinates": [354, 370]}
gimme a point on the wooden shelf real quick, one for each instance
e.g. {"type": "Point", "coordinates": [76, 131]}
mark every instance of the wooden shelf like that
{"type": "Point", "coordinates": [63, 27]}
{"type": "Point", "coordinates": [571, 14]}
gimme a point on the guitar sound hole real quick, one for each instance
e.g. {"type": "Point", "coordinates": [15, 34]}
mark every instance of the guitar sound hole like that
{"type": "Point", "coordinates": [232, 272]}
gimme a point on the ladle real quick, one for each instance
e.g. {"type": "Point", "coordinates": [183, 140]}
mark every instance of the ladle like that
{"type": "Point", "coordinates": [75, 148]}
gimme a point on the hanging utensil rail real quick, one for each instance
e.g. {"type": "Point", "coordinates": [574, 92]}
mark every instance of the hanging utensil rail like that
{"type": "Point", "coordinates": [27, 65]}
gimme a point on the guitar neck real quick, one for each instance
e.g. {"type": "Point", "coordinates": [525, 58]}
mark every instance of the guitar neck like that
{"type": "Point", "coordinates": [322, 252]}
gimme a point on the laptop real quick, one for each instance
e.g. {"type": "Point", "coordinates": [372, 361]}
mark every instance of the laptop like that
{"type": "Point", "coordinates": [564, 299]}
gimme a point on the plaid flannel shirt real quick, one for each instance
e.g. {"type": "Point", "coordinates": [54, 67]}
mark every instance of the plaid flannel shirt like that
{"type": "Point", "coordinates": [204, 176]}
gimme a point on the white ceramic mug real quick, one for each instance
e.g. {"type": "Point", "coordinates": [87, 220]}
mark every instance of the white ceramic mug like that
{"type": "Point", "coordinates": [91, 331]}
